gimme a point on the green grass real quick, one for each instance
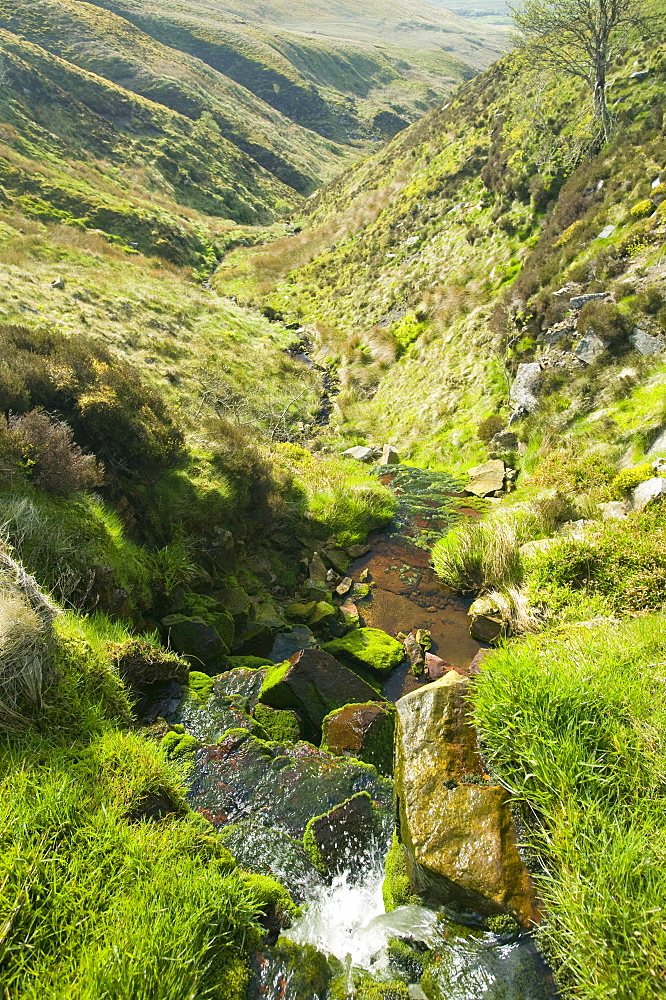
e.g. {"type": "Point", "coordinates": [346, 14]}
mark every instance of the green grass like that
{"type": "Point", "coordinates": [574, 722]}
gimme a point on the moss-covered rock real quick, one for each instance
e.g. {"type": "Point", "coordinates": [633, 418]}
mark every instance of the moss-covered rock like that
{"type": "Point", "coordinates": [140, 663]}
{"type": "Point", "coordinates": [281, 786]}
{"type": "Point", "coordinates": [271, 852]}
{"type": "Point", "coordinates": [313, 683]}
{"type": "Point", "coordinates": [248, 662]}
{"type": "Point", "coordinates": [396, 888]}
{"type": "Point", "coordinates": [196, 639]}
{"type": "Point", "coordinates": [363, 731]}
{"type": "Point", "coordinates": [281, 725]}
{"type": "Point", "coordinates": [368, 648]}
{"type": "Point", "coordinates": [305, 969]}
{"type": "Point", "coordinates": [341, 837]}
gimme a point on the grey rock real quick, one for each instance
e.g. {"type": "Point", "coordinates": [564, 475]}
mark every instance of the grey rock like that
{"type": "Point", "coordinates": [659, 466]}
{"type": "Point", "coordinates": [59, 283]}
{"type": "Point", "coordinates": [645, 493]}
{"type": "Point", "coordinates": [390, 455]}
{"type": "Point", "coordinates": [659, 445]}
{"type": "Point", "coordinates": [502, 442]}
{"type": "Point", "coordinates": [647, 344]}
{"type": "Point", "coordinates": [574, 529]}
{"type": "Point", "coordinates": [344, 587]}
{"type": "Point", "coordinates": [578, 301]}
{"type": "Point", "coordinates": [288, 643]}
{"type": "Point", "coordinates": [590, 347]}
{"type": "Point", "coordinates": [485, 479]}
{"type": "Point", "coordinates": [606, 232]}
{"type": "Point", "coordinates": [640, 75]}
{"type": "Point", "coordinates": [530, 549]}
{"type": "Point", "coordinates": [524, 394]}
{"type": "Point", "coordinates": [359, 453]}
{"type": "Point", "coordinates": [486, 621]}
{"type": "Point", "coordinates": [614, 510]}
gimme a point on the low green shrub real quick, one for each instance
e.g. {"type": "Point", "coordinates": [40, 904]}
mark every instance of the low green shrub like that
{"type": "Point", "coordinates": [641, 209]}
{"type": "Point", "coordinates": [607, 320]}
{"type": "Point", "coordinates": [650, 300]}
{"type": "Point", "coordinates": [629, 479]}
{"type": "Point", "coordinates": [45, 451]}
{"type": "Point", "coordinates": [489, 427]}
{"type": "Point", "coordinates": [351, 511]}
{"type": "Point", "coordinates": [574, 722]}
{"type": "Point", "coordinates": [621, 565]}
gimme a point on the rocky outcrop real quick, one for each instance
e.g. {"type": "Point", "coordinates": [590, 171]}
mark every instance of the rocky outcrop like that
{"type": "Point", "coordinates": [365, 732]}
{"type": "Point", "coordinates": [359, 453]}
{"type": "Point", "coordinates": [590, 347]}
{"type": "Point", "coordinates": [197, 640]}
{"type": "Point", "coordinates": [313, 683]}
{"type": "Point", "coordinates": [524, 393]}
{"type": "Point", "coordinates": [390, 455]}
{"type": "Point", "coordinates": [455, 825]}
{"type": "Point", "coordinates": [649, 491]}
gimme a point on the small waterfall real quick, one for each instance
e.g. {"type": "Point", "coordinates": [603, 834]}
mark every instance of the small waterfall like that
{"type": "Point", "coordinates": [347, 920]}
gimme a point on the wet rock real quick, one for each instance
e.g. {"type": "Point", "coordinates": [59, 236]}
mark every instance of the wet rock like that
{"type": "Point", "coordinates": [280, 725]}
{"type": "Point", "coordinates": [649, 491]}
{"type": "Point", "coordinates": [365, 732]}
{"type": "Point", "coordinates": [455, 826]}
{"type": "Point", "coordinates": [288, 643]}
{"type": "Point", "coordinates": [341, 838]}
{"type": "Point", "coordinates": [435, 667]}
{"type": "Point", "coordinates": [314, 683]}
{"type": "Point", "coordinates": [368, 649]}
{"type": "Point", "coordinates": [614, 510]}
{"type": "Point", "coordinates": [486, 622]}
{"type": "Point", "coordinates": [289, 971]}
{"type": "Point", "coordinates": [197, 640]}
{"type": "Point", "coordinates": [208, 720]}
{"type": "Point", "coordinates": [414, 654]}
{"type": "Point", "coordinates": [487, 478]}
{"type": "Point", "coordinates": [260, 849]}
{"type": "Point", "coordinates": [242, 684]}
{"type": "Point", "coordinates": [590, 347]}
{"type": "Point", "coordinates": [578, 301]}
{"type": "Point", "coordinates": [359, 453]}
{"type": "Point", "coordinates": [281, 786]}
{"type": "Point", "coordinates": [390, 455]}
{"type": "Point", "coordinates": [524, 393]}
{"type": "Point", "coordinates": [647, 344]}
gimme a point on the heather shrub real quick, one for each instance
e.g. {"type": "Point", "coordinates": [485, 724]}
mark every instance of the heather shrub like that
{"type": "Point", "coordinates": [50, 455]}
{"type": "Point", "coordinates": [489, 427]}
{"type": "Point", "coordinates": [110, 410]}
{"type": "Point", "coordinates": [607, 321]}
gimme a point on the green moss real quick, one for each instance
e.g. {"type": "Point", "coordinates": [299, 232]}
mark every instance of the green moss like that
{"type": "Point", "coordinates": [201, 684]}
{"type": "Point", "coordinates": [274, 676]}
{"type": "Point", "coordinates": [279, 726]}
{"type": "Point", "coordinates": [396, 889]}
{"type": "Point", "coordinates": [249, 662]}
{"type": "Point", "coordinates": [370, 648]}
{"type": "Point", "coordinates": [267, 892]}
{"type": "Point", "coordinates": [179, 745]}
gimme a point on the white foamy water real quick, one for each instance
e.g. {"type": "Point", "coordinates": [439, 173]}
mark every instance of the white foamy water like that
{"type": "Point", "coordinates": [347, 919]}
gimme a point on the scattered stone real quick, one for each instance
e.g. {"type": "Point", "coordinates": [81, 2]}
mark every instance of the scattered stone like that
{"type": "Point", "coordinates": [645, 493]}
{"type": "Point", "coordinates": [435, 667]}
{"type": "Point", "coordinates": [368, 649]}
{"type": "Point", "coordinates": [344, 587]}
{"type": "Point", "coordinates": [340, 838]}
{"type": "Point", "coordinates": [359, 453]}
{"type": "Point", "coordinates": [317, 571]}
{"type": "Point", "coordinates": [59, 283]}
{"type": "Point", "coordinates": [288, 643]}
{"type": "Point", "coordinates": [606, 232]}
{"type": "Point", "coordinates": [332, 576]}
{"type": "Point", "coordinates": [647, 344]}
{"type": "Point", "coordinates": [639, 75]}
{"type": "Point", "coordinates": [311, 612]}
{"type": "Point", "coordinates": [659, 466]}
{"type": "Point", "coordinates": [486, 621]}
{"type": "Point", "coordinates": [456, 827]}
{"type": "Point", "coordinates": [314, 683]}
{"type": "Point", "coordinates": [338, 559]}
{"type": "Point", "coordinates": [349, 615]}
{"type": "Point", "coordinates": [575, 529]}
{"type": "Point", "coordinates": [578, 301]}
{"type": "Point", "coordinates": [590, 347]}
{"type": "Point", "coordinates": [198, 641]}
{"type": "Point", "coordinates": [487, 478]}
{"type": "Point", "coordinates": [614, 510]}
{"type": "Point", "coordinates": [415, 655]}
{"type": "Point", "coordinates": [566, 289]}
{"type": "Point", "coordinates": [530, 549]}
{"type": "Point", "coordinates": [524, 394]}
{"type": "Point", "coordinates": [390, 455]}
{"type": "Point", "coordinates": [364, 732]}
{"type": "Point", "coordinates": [357, 551]}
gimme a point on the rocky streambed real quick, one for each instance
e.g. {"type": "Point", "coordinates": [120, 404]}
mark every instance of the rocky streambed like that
{"type": "Point", "coordinates": [379, 818]}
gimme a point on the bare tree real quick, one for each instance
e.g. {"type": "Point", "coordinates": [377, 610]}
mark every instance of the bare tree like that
{"type": "Point", "coordinates": [581, 38]}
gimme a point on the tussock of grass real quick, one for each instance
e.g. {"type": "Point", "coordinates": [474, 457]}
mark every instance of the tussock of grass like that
{"type": "Point", "coordinates": [477, 555]}
{"type": "Point", "coordinates": [575, 723]}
